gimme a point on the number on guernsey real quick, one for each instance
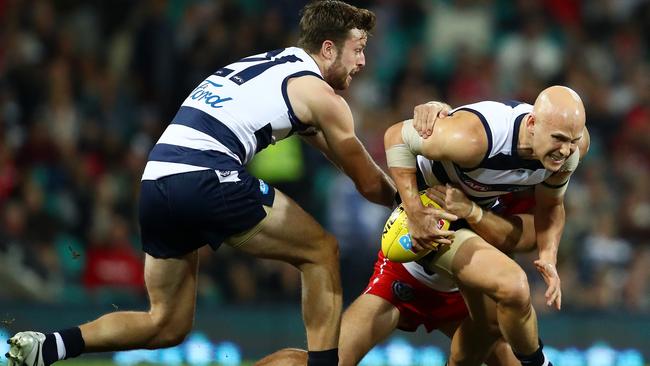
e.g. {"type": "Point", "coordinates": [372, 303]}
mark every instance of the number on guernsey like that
{"type": "Point", "coordinates": [252, 71]}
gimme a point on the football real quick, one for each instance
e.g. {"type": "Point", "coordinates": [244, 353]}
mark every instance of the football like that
{"type": "Point", "coordinates": [396, 240]}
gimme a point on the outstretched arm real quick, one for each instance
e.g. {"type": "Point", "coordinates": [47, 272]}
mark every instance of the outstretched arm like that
{"type": "Point", "coordinates": [318, 141]}
{"type": "Point", "coordinates": [315, 101]}
{"type": "Point", "coordinates": [550, 218]}
{"type": "Point", "coordinates": [549, 224]}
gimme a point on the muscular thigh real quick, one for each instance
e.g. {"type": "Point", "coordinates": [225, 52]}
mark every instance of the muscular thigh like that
{"type": "Point", "coordinates": [479, 265]}
{"type": "Point", "coordinates": [471, 261]}
{"type": "Point", "coordinates": [288, 233]}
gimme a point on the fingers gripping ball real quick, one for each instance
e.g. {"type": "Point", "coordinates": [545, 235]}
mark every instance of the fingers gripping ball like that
{"type": "Point", "coordinates": [396, 241]}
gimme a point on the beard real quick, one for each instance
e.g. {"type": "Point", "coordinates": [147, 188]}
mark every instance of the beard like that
{"type": "Point", "coordinates": [337, 76]}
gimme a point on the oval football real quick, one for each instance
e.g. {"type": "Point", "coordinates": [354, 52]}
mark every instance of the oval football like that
{"type": "Point", "coordinates": [395, 239]}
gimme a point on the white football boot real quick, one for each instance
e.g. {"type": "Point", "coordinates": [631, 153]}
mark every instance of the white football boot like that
{"type": "Point", "coordinates": [25, 349]}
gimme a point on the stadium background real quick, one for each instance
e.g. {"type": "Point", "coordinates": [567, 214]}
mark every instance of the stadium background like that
{"type": "Point", "coordinates": [86, 88]}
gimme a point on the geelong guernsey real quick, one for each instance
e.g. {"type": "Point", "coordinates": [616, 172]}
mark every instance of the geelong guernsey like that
{"type": "Point", "coordinates": [502, 170]}
{"type": "Point", "coordinates": [232, 114]}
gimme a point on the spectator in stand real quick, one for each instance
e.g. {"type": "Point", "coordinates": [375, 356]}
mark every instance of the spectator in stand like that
{"type": "Point", "coordinates": [111, 260]}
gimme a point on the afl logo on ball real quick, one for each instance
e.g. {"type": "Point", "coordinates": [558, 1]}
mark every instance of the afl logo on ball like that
{"type": "Point", "coordinates": [403, 291]}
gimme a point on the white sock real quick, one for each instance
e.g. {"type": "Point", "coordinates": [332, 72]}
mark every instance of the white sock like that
{"type": "Point", "coordinates": [60, 346]}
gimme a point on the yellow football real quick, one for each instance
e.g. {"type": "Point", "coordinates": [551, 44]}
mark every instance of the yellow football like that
{"type": "Point", "coordinates": [396, 240]}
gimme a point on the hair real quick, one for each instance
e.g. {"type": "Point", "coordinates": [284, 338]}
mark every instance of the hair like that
{"type": "Point", "coordinates": [332, 20]}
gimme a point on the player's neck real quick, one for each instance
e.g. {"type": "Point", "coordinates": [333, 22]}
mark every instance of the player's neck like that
{"type": "Point", "coordinates": [320, 62]}
{"type": "Point", "coordinates": [524, 145]}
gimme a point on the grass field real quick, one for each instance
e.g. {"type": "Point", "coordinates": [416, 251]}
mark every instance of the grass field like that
{"type": "Point", "coordinates": [82, 362]}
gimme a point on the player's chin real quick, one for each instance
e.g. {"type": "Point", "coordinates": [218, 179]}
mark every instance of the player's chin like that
{"type": "Point", "coordinates": [341, 84]}
{"type": "Point", "coordinates": [346, 83]}
{"type": "Point", "coordinates": [553, 165]}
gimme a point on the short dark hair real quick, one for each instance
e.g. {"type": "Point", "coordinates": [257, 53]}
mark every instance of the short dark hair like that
{"type": "Point", "coordinates": [323, 20]}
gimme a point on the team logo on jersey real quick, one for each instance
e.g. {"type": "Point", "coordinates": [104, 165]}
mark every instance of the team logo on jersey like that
{"type": "Point", "coordinates": [471, 183]}
{"type": "Point", "coordinates": [264, 188]}
{"type": "Point", "coordinates": [228, 176]}
{"type": "Point", "coordinates": [403, 291]}
{"type": "Point", "coordinates": [209, 97]}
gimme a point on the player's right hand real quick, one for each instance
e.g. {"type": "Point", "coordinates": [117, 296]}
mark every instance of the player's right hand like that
{"type": "Point", "coordinates": [425, 116]}
{"type": "Point", "coordinates": [423, 228]}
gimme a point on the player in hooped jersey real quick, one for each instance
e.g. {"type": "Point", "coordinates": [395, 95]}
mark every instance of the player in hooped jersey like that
{"type": "Point", "coordinates": [404, 296]}
{"type": "Point", "coordinates": [488, 149]}
{"type": "Point", "coordinates": [195, 190]}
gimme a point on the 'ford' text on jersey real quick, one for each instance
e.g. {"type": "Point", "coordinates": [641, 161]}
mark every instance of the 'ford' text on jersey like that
{"type": "Point", "coordinates": [232, 114]}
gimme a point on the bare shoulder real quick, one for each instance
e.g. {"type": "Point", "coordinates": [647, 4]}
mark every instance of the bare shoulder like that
{"type": "Point", "coordinates": [460, 138]}
{"type": "Point", "coordinates": [313, 100]}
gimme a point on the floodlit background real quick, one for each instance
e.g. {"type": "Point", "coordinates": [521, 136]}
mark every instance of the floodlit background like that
{"type": "Point", "coordinates": [86, 88]}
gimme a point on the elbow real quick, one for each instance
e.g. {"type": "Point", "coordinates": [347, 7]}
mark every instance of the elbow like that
{"type": "Point", "coordinates": [527, 237]}
{"type": "Point", "coordinates": [393, 135]}
{"type": "Point", "coordinates": [371, 190]}
{"type": "Point", "coordinates": [368, 189]}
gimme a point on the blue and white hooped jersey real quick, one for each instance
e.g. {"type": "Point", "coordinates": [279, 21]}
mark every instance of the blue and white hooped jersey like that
{"type": "Point", "coordinates": [502, 170]}
{"type": "Point", "coordinates": [232, 114]}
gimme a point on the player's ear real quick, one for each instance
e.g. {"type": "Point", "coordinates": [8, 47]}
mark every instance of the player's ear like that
{"type": "Point", "coordinates": [530, 123]}
{"type": "Point", "coordinates": [328, 50]}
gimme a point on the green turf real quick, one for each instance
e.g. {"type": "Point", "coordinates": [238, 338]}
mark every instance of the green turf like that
{"type": "Point", "coordinates": [83, 362]}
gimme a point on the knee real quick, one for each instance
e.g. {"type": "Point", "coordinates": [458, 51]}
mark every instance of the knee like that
{"type": "Point", "coordinates": [512, 288]}
{"type": "Point", "coordinates": [170, 331]}
{"type": "Point", "coordinates": [330, 247]}
{"type": "Point", "coordinates": [171, 336]}
{"type": "Point", "coordinates": [462, 359]}
{"type": "Point", "coordinates": [326, 250]}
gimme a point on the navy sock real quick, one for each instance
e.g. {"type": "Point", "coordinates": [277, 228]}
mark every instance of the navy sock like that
{"type": "Point", "coordinates": [536, 358]}
{"type": "Point", "coordinates": [73, 345]}
{"type": "Point", "coordinates": [328, 357]}
{"type": "Point", "coordinates": [73, 341]}
{"type": "Point", "coordinates": [50, 354]}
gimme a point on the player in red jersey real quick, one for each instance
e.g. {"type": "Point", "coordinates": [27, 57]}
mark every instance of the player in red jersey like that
{"type": "Point", "coordinates": [403, 296]}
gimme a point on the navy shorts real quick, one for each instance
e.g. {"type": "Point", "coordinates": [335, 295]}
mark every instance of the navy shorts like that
{"type": "Point", "coordinates": [181, 213]}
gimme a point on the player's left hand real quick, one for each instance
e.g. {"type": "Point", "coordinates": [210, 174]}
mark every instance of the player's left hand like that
{"type": "Point", "coordinates": [425, 116]}
{"type": "Point", "coordinates": [552, 278]}
{"type": "Point", "coordinates": [452, 199]}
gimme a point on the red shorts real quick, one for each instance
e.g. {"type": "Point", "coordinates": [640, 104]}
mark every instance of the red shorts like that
{"type": "Point", "coordinates": [416, 302]}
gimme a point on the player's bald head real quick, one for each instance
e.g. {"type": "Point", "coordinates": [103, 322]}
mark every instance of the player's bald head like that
{"type": "Point", "coordinates": [555, 126]}
{"type": "Point", "coordinates": [560, 106]}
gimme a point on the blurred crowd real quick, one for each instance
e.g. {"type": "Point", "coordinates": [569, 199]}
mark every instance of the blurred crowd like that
{"type": "Point", "coordinates": [86, 88]}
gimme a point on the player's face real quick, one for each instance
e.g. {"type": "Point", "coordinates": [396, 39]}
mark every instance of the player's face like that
{"type": "Point", "coordinates": [555, 141]}
{"type": "Point", "coordinates": [350, 59]}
